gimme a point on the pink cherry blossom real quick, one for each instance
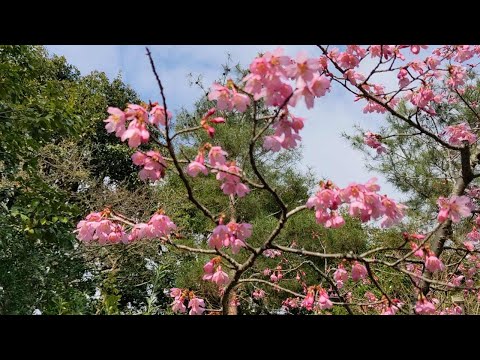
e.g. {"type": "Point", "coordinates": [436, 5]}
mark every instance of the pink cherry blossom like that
{"type": "Point", "coordinates": [175, 292]}
{"type": "Point", "coordinates": [277, 61]}
{"type": "Point", "coordinates": [137, 134]}
{"type": "Point", "coordinates": [157, 115]}
{"type": "Point", "coordinates": [118, 235]}
{"type": "Point", "coordinates": [103, 230]}
{"type": "Point", "coordinates": [97, 227]}
{"type": "Point", "coordinates": [454, 310]}
{"type": "Point", "coordinates": [220, 277]}
{"type": "Point", "coordinates": [216, 156]}
{"type": "Point", "coordinates": [353, 76]}
{"type": "Point", "coordinates": [161, 225]}
{"type": "Point", "coordinates": [474, 235]}
{"type": "Point", "coordinates": [86, 230]}
{"type": "Point", "coordinates": [178, 305]}
{"type": "Point", "coordinates": [371, 140]}
{"type": "Point", "coordinates": [228, 99]}
{"type": "Point", "coordinates": [219, 234]}
{"type": "Point", "coordinates": [222, 95]}
{"type": "Point", "coordinates": [392, 309]}
{"type": "Point", "coordinates": [457, 280]}
{"type": "Point", "coordinates": [403, 79]}
{"type": "Point", "coordinates": [473, 192]}
{"type": "Point", "coordinates": [334, 221]}
{"type": "Point", "coordinates": [464, 53]}
{"type": "Point", "coordinates": [302, 91]}
{"type": "Point", "coordinates": [469, 245]}
{"type": "Point", "coordinates": [240, 101]}
{"type": "Point", "coordinates": [422, 97]}
{"type": "Point", "coordinates": [417, 66]}
{"type": "Point", "coordinates": [324, 301]}
{"type": "Point", "coordinates": [319, 85]}
{"type": "Point", "coordinates": [363, 201]}
{"type": "Point", "coordinates": [357, 50]}
{"type": "Point", "coordinates": [309, 300]}
{"type": "Point", "coordinates": [340, 276]}
{"type": "Point", "coordinates": [433, 264]}
{"type": "Point", "coordinates": [358, 271]}
{"type": "Point", "coordinates": [457, 134]}
{"type": "Point", "coordinates": [316, 87]}
{"type": "Point", "coordinates": [197, 306]}
{"type": "Point", "coordinates": [423, 306]}
{"type": "Point", "coordinates": [371, 185]}
{"type": "Point", "coordinates": [304, 67]}
{"type": "Point", "coordinates": [276, 93]}
{"type": "Point", "coordinates": [272, 253]}
{"type": "Point", "coordinates": [254, 86]}
{"type": "Point", "coordinates": [158, 226]}
{"type": "Point", "coordinates": [415, 49]}
{"type": "Point", "coordinates": [458, 76]}
{"type": "Point", "coordinates": [139, 231]}
{"type": "Point", "coordinates": [393, 212]}
{"type": "Point", "coordinates": [230, 174]}
{"type": "Point", "coordinates": [292, 303]}
{"type": "Point", "coordinates": [208, 269]}
{"type": "Point", "coordinates": [418, 250]}
{"type": "Point", "coordinates": [375, 51]}
{"type": "Point", "coordinates": [197, 166]}
{"type": "Point", "coordinates": [258, 294]}
{"type": "Point", "coordinates": [454, 208]}
{"type": "Point", "coordinates": [136, 112]}
{"type": "Point", "coordinates": [370, 296]}
{"type": "Point", "coordinates": [153, 165]}
{"type": "Point", "coordinates": [274, 277]}
{"type": "Point", "coordinates": [432, 62]}
{"type": "Point", "coordinates": [348, 60]}
{"type": "Point", "coordinates": [243, 230]}
{"type": "Point", "coordinates": [286, 133]}
{"type": "Point", "coordinates": [207, 120]}
{"type": "Point", "coordinates": [389, 51]}
{"type": "Point", "coordinates": [260, 66]}
{"type": "Point", "coordinates": [373, 106]}
{"type": "Point", "coordinates": [328, 197]}
{"type": "Point", "coordinates": [115, 122]}
{"type": "Point", "coordinates": [237, 233]}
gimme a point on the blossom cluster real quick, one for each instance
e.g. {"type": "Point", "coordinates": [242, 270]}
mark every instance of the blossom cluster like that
{"type": "Point", "coordinates": [213, 272]}
{"type": "Point", "coordinates": [363, 202]}
{"type": "Point", "coordinates": [100, 227]}
{"type": "Point", "coordinates": [232, 235]}
{"type": "Point", "coordinates": [180, 296]}
{"type": "Point", "coordinates": [227, 172]}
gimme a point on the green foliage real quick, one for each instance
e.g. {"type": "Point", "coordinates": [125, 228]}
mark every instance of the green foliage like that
{"type": "Point", "coordinates": [48, 113]}
{"type": "Point", "coordinates": [58, 163]}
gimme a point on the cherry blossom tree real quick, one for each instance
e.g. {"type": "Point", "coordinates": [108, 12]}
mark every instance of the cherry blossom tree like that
{"type": "Point", "coordinates": [430, 270]}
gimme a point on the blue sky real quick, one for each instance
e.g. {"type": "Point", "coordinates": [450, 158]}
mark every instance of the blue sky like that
{"type": "Point", "coordinates": [324, 149]}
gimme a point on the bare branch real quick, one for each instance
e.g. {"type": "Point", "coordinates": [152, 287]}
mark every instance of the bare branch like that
{"type": "Point", "coordinates": [171, 150]}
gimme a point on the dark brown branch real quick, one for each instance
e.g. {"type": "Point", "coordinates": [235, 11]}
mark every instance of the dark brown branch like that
{"type": "Point", "coordinates": [468, 104]}
{"type": "Point", "coordinates": [395, 113]}
{"type": "Point", "coordinates": [171, 150]}
{"type": "Point", "coordinates": [333, 285]}
{"type": "Point", "coordinates": [272, 285]}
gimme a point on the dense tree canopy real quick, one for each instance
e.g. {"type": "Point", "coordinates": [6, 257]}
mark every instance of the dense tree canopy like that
{"type": "Point", "coordinates": [207, 211]}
